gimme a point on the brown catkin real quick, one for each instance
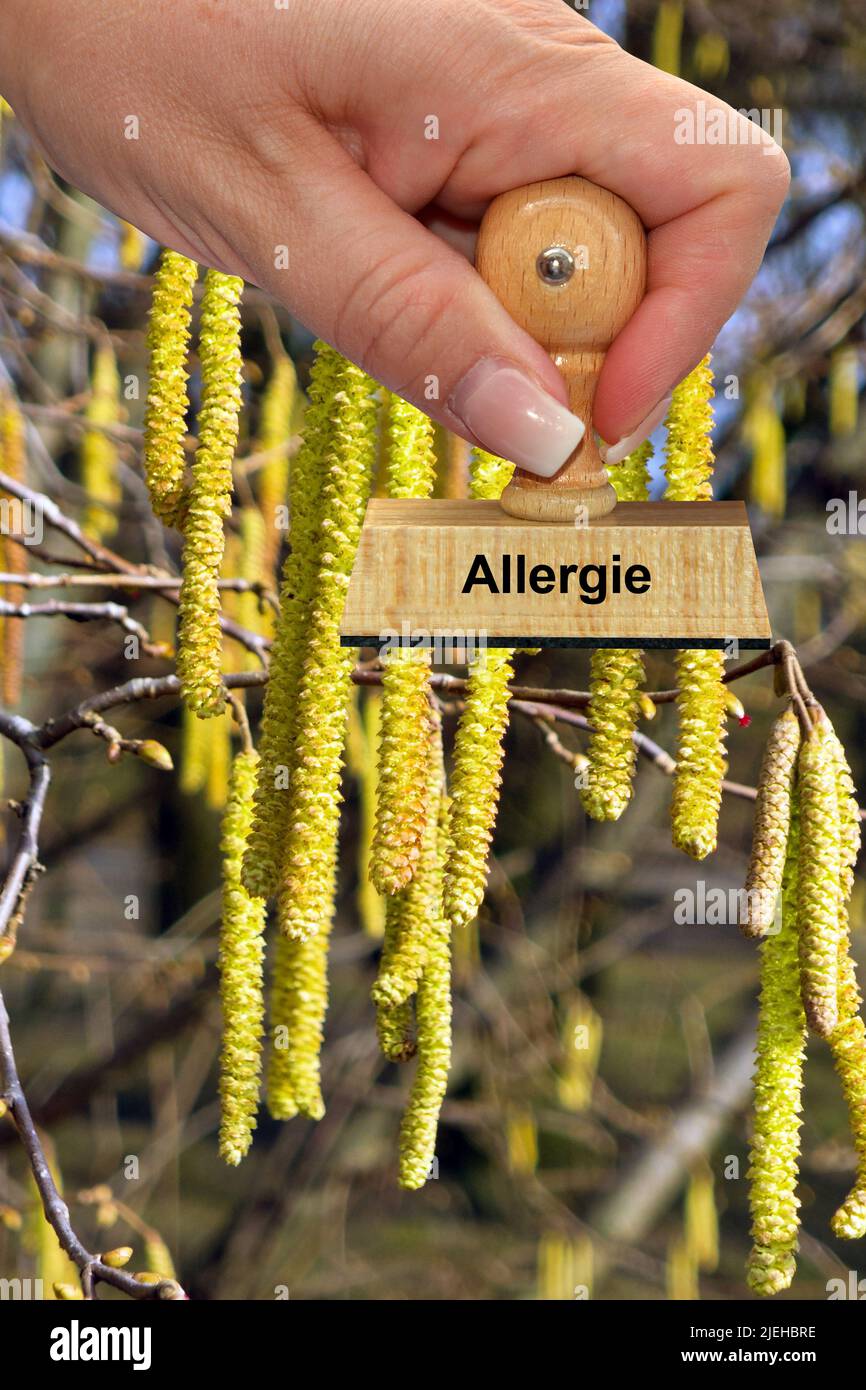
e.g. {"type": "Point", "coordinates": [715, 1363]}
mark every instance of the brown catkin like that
{"type": "Point", "coordinates": [819, 893]}
{"type": "Point", "coordinates": [772, 819]}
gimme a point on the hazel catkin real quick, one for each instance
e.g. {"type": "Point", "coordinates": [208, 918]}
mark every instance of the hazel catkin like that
{"type": "Point", "coordinates": [818, 902]}
{"type": "Point", "coordinates": [780, 1049]}
{"type": "Point", "coordinates": [475, 782]}
{"type": "Point", "coordinates": [167, 404]}
{"type": "Point", "coordinates": [770, 830]}
{"type": "Point", "coordinates": [701, 763]}
{"type": "Point", "coordinates": [241, 953]}
{"type": "Point", "coordinates": [305, 897]}
{"type": "Point", "coordinates": [98, 451]}
{"type": "Point", "coordinates": [199, 657]}
{"type": "Point", "coordinates": [298, 587]}
{"type": "Point", "coordinates": [402, 794]}
{"type": "Point", "coordinates": [433, 1032]}
{"type": "Point", "coordinates": [614, 708]}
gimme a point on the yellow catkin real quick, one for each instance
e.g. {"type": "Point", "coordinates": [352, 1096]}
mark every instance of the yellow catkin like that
{"type": "Point", "coordinates": [701, 763]}
{"type": "Point", "coordinates": [475, 784]}
{"type": "Point", "coordinates": [764, 433]}
{"type": "Point", "coordinates": [478, 750]}
{"type": "Point", "coordinates": [667, 36]}
{"type": "Point", "coordinates": [770, 828]}
{"type": "Point", "coordinates": [305, 896]}
{"type": "Point", "coordinates": [167, 400]}
{"type": "Point", "coordinates": [775, 1145]}
{"type": "Point", "coordinates": [689, 450]}
{"type": "Point", "coordinates": [701, 1224]}
{"type": "Point", "coordinates": [405, 728]}
{"type": "Point", "coordinates": [98, 453]}
{"type": "Point", "coordinates": [298, 1004]}
{"type": "Point", "coordinates": [133, 244]}
{"type": "Point", "coordinates": [433, 1037]}
{"type": "Point", "coordinates": [410, 918]}
{"type": "Point", "coordinates": [711, 56]}
{"type": "Point", "coordinates": [218, 737]}
{"type": "Point", "coordinates": [581, 1041]}
{"type": "Point", "coordinates": [241, 954]}
{"type": "Point", "coordinates": [521, 1140]}
{"type": "Point", "coordinates": [614, 708]}
{"type": "Point", "coordinates": [681, 1272]}
{"type": "Point", "coordinates": [193, 753]}
{"type": "Point", "coordinates": [848, 1046]}
{"type": "Point", "coordinates": [565, 1267]}
{"type": "Point", "coordinates": [299, 579]}
{"type": "Point", "coordinates": [614, 684]}
{"type": "Point", "coordinates": [199, 659]}
{"type": "Point", "coordinates": [281, 417]}
{"type": "Point", "coordinates": [488, 474]}
{"type": "Point", "coordinates": [404, 746]}
{"type": "Point", "coordinates": [13, 556]}
{"type": "Point", "coordinates": [361, 745]}
{"type": "Point", "coordinates": [848, 1039]}
{"type": "Point", "coordinates": [156, 1255]}
{"type": "Point", "coordinates": [411, 458]}
{"type": "Point", "coordinates": [253, 568]}
{"type": "Point", "coordinates": [844, 390]}
{"type": "Point", "coordinates": [819, 880]}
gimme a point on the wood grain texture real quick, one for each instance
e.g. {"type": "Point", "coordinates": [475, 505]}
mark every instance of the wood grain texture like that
{"type": "Point", "coordinates": [576, 322]}
{"type": "Point", "coordinates": [415, 556]}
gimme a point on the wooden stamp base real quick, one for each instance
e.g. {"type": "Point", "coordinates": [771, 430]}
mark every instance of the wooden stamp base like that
{"type": "Point", "coordinates": [649, 574]}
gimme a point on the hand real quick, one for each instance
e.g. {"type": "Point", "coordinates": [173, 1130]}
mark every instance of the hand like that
{"type": "Point", "coordinates": [303, 128]}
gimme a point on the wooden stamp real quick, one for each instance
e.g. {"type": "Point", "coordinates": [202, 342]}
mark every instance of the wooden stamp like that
{"type": "Point", "coordinates": [556, 561]}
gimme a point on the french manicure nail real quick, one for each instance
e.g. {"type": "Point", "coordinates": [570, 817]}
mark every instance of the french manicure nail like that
{"type": "Point", "coordinates": [514, 417]}
{"type": "Point", "coordinates": [615, 453]}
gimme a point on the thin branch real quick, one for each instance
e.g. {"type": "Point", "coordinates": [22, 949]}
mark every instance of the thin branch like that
{"type": "Point", "coordinates": [56, 1211]}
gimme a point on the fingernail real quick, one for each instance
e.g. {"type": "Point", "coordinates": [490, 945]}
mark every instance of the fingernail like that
{"type": "Point", "coordinates": [513, 417]}
{"type": "Point", "coordinates": [615, 453]}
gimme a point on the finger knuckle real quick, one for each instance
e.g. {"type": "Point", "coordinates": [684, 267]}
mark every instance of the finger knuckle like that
{"type": "Point", "coordinates": [394, 315]}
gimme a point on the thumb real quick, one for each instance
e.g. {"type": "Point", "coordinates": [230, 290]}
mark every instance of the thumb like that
{"type": "Point", "coordinates": [367, 277]}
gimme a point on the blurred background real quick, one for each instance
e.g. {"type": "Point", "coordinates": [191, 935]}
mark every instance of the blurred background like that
{"type": "Point", "coordinates": [615, 1169]}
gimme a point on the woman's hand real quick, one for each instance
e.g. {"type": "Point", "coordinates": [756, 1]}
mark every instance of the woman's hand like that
{"type": "Point", "coordinates": [288, 141]}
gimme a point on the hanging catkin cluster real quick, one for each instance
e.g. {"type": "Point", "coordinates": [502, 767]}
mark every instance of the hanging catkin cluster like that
{"type": "Point", "coordinates": [198, 508]}
{"type": "Point", "coordinates": [615, 679]}
{"type": "Point", "coordinates": [292, 849]}
{"type": "Point", "coordinates": [806, 803]}
{"type": "Point", "coordinates": [701, 762]}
